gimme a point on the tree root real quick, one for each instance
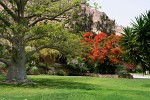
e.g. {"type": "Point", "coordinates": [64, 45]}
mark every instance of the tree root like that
{"type": "Point", "coordinates": [18, 82]}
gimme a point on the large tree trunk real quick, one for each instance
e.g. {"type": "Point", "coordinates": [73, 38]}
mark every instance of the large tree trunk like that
{"type": "Point", "coordinates": [17, 70]}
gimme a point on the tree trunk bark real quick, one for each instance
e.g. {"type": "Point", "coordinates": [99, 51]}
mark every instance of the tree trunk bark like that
{"type": "Point", "coordinates": [17, 70]}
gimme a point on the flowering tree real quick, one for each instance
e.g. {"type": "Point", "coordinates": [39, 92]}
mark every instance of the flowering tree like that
{"type": "Point", "coordinates": [100, 52]}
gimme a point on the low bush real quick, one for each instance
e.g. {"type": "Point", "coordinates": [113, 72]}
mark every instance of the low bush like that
{"type": "Point", "coordinates": [61, 73]}
{"type": "Point", "coordinates": [51, 72]}
{"type": "Point", "coordinates": [124, 74]}
{"type": "Point", "coordinates": [34, 70]}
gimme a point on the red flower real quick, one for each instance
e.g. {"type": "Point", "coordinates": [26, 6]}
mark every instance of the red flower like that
{"type": "Point", "coordinates": [114, 61]}
{"type": "Point", "coordinates": [105, 51]}
{"type": "Point", "coordinates": [93, 58]}
{"type": "Point", "coordinates": [100, 47]}
{"type": "Point", "coordinates": [112, 51]}
{"type": "Point", "coordinates": [91, 34]}
{"type": "Point", "coordinates": [108, 46]}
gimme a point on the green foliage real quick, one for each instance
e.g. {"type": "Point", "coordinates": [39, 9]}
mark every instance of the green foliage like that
{"type": "Point", "coordinates": [50, 54]}
{"type": "Point", "coordinates": [124, 74]}
{"type": "Point", "coordinates": [1, 48]}
{"type": "Point", "coordinates": [79, 68]}
{"type": "Point", "coordinates": [97, 53]}
{"type": "Point", "coordinates": [34, 70]}
{"type": "Point", "coordinates": [120, 68]}
{"type": "Point", "coordinates": [2, 65]}
{"type": "Point", "coordinates": [96, 5]}
{"type": "Point", "coordinates": [51, 72]}
{"type": "Point", "coordinates": [61, 73]}
{"type": "Point", "coordinates": [136, 41]}
{"type": "Point", "coordinates": [138, 69]}
{"type": "Point", "coordinates": [31, 23]}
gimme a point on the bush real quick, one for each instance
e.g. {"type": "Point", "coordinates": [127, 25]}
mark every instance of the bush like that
{"type": "Point", "coordinates": [2, 66]}
{"type": "Point", "coordinates": [61, 73]}
{"type": "Point", "coordinates": [98, 53]}
{"type": "Point", "coordinates": [78, 67]}
{"type": "Point", "coordinates": [51, 72]}
{"type": "Point", "coordinates": [34, 70]}
{"type": "Point", "coordinates": [138, 69]}
{"type": "Point", "coordinates": [120, 67]}
{"type": "Point", "coordinates": [124, 74]}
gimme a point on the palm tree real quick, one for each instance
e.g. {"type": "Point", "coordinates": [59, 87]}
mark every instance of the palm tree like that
{"type": "Point", "coordinates": [136, 41]}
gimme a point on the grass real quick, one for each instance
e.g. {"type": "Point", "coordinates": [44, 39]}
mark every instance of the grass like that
{"type": "Point", "coordinates": [77, 88]}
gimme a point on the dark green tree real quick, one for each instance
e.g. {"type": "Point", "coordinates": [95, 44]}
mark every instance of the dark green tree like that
{"type": "Point", "coordinates": [136, 41]}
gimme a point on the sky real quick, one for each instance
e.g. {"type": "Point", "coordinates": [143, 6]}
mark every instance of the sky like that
{"type": "Point", "coordinates": [123, 11]}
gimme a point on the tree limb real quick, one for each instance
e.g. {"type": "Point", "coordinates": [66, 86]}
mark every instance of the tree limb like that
{"type": "Point", "coordinates": [54, 17]}
{"type": "Point", "coordinates": [7, 62]}
{"type": "Point", "coordinates": [42, 47]}
{"type": "Point", "coordinates": [8, 10]}
{"type": "Point", "coordinates": [37, 49]}
{"type": "Point", "coordinates": [35, 38]}
{"type": "Point", "coordinates": [7, 23]}
{"type": "Point", "coordinates": [31, 16]}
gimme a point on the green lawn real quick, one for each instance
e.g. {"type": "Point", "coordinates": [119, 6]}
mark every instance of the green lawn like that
{"type": "Point", "coordinates": [77, 88]}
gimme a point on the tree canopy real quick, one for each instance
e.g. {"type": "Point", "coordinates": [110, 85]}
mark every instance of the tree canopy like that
{"type": "Point", "coordinates": [29, 23]}
{"type": "Point", "coordinates": [136, 41]}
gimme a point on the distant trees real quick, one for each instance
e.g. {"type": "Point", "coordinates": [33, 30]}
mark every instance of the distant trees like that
{"type": "Point", "coordinates": [86, 19]}
{"type": "Point", "coordinates": [106, 25]}
{"type": "Point", "coordinates": [80, 21]}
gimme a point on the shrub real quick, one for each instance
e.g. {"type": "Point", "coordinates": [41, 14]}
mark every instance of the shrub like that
{"type": "Point", "coordinates": [125, 74]}
{"type": "Point", "coordinates": [98, 51]}
{"type": "Point", "coordinates": [51, 72]}
{"type": "Point", "coordinates": [138, 69]}
{"type": "Point", "coordinates": [136, 41]}
{"type": "Point", "coordinates": [2, 66]}
{"type": "Point", "coordinates": [34, 70]}
{"type": "Point", "coordinates": [61, 73]}
{"type": "Point", "coordinates": [3, 69]}
{"type": "Point", "coordinates": [129, 66]}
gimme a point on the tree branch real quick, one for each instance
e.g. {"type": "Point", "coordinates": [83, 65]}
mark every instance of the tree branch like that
{"type": "Point", "coordinates": [31, 16]}
{"type": "Point", "coordinates": [35, 38]}
{"type": "Point", "coordinates": [8, 10]}
{"type": "Point", "coordinates": [7, 23]}
{"type": "Point", "coordinates": [7, 62]}
{"type": "Point", "coordinates": [54, 17]}
{"type": "Point", "coordinates": [6, 36]}
{"type": "Point", "coordinates": [42, 47]}
{"type": "Point", "coordinates": [37, 49]}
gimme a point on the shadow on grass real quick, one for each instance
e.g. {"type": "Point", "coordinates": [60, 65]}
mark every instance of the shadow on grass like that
{"type": "Point", "coordinates": [64, 84]}
{"type": "Point", "coordinates": [147, 85]}
{"type": "Point", "coordinates": [55, 84]}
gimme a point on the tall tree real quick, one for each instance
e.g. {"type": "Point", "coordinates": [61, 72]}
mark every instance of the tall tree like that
{"type": "Point", "coordinates": [23, 22]}
{"type": "Point", "coordinates": [136, 41]}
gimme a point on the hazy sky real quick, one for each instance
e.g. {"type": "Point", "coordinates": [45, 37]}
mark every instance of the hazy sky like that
{"type": "Point", "coordinates": [123, 11]}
